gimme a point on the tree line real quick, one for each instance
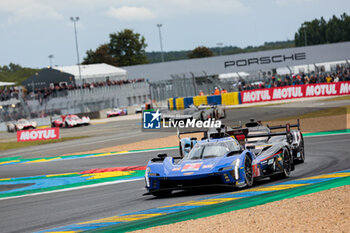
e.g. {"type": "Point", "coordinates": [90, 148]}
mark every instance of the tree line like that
{"type": "Point", "coordinates": [127, 47]}
{"type": "Point", "coordinates": [15, 73]}
{"type": "Point", "coordinates": [320, 31]}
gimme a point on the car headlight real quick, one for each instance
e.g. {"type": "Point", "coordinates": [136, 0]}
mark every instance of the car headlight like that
{"type": "Point", "coordinates": [148, 170]}
{"type": "Point", "coordinates": [236, 166]}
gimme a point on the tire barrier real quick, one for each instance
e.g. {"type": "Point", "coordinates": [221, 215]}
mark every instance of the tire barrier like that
{"type": "Point", "coordinates": [264, 95]}
{"type": "Point", "coordinates": [178, 103]}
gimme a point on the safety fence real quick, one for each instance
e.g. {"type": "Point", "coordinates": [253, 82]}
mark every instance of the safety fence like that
{"type": "Point", "coordinates": [263, 95]}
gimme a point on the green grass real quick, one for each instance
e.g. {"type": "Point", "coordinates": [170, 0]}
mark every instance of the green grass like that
{"type": "Point", "coordinates": [345, 97]}
{"type": "Point", "coordinates": [320, 113]}
{"type": "Point", "coordinates": [16, 145]}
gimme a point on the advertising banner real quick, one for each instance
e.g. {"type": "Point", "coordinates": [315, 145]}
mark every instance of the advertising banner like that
{"type": "Point", "coordinates": [294, 92]}
{"type": "Point", "coordinates": [38, 134]}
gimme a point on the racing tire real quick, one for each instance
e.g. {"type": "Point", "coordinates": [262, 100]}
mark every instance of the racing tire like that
{"type": "Point", "coordinates": [287, 163]}
{"type": "Point", "coordinates": [202, 117]}
{"type": "Point", "coordinates": [287, 166]}
{"type": "Point", "coordinates": [302, 153]}
{"type": "Point", "coordinates": [180, 148]}
{"type": "Point", "coordinates": [248, 171]}
{"type": "Point", "coordinates": [223, 116]}
{"type": "Point", "coordinates": [162, 194]}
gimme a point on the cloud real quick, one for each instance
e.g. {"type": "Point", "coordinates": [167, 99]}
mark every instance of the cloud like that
{"type": "Point", "coordinates": [127, 13]}
{"type": "Point", "coordinates": [132, 10]}
{"type": "Point", "coordinates": [208, 6]}
{"type": "Point", "coordinates": [140, 9]}
{"type": "Point", "coordinates": [23, 10]}
{"type": "Point", "coordinates": [292, 2]}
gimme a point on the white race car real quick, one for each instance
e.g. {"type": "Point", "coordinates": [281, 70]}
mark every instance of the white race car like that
{"type": "Point", "coordinates": [21, 124]}
{"type": "Point", "coordinates": [74, 120]}
{"type": "Point", "coordinates": [117, 112]}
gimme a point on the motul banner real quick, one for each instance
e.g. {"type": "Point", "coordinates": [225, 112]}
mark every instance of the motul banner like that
{"type": "Point", "coordinates": [38, 134]}
{"type": "Point", "coordinates": [294, 92]}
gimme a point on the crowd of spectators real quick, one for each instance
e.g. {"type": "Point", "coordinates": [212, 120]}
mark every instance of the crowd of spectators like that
{"type": "Point", "coordinates": [340, 74]}
{"type": "Point", "coordinates": [9, 93]}
{"type": "Point", "coordinates": [56, 91]}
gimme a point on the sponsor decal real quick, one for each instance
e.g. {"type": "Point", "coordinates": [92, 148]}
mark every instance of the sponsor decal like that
{"type": "Point", "coordinates": [38, 134]}
{"type": "Point", "coordinates": [188, 173]}
{"type": "Point", "coordinates": [256, 170]}
{"type": "Point", "coordinates": [266, 60]}
{"type": "Point", "coordinates": [208, 166]}
{"type": "Point", "coordinates": [191, 167]}
{"type": "Point", "coordinates": [176, 169]}
{"type": "Point", "coordinates": [293, 92]}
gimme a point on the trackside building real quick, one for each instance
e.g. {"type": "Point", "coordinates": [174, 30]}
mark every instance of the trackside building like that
{"type": "Point", "coordinates": [246, 62]}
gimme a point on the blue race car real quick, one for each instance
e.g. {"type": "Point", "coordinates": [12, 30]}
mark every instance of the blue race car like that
{"type": "Point", "coordinates": [219, 159]}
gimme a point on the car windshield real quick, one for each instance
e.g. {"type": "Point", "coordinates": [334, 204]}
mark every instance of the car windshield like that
{"type": "Point", "coordinates": [212, 149]}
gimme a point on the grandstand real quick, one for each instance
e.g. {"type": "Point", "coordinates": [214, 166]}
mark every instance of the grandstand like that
{"type": "Point", "coordinates": [63, 90]}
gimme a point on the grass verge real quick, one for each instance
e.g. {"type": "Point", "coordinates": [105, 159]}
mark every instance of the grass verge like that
{"type": "Point", "coordinates": [16, 145]}
{"type": "Point", "coordinates": [319, 113]}
{"type": "Point", "coordinates": [345, 97]}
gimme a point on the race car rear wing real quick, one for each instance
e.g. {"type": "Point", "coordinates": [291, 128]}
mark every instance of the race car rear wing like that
{"type": "Point", "coordinates": [297, 125]}
{"type": "Point", "coordinates": [242, 134]}
{"type": "Point", "coordinates": [205, 132]}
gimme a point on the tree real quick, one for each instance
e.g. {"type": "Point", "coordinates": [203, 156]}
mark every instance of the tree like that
{"type": "Point", "coordinates": [100, 55]}
{"type": "Point", "coordinates": [321, 32]}
{"type": "Point", "coordinates": [128, 48]}
{"type": "Point", "coordinates": [199, 52]}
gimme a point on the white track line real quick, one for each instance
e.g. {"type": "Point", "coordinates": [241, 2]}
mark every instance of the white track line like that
{"type": "Point", "coordinates": [74, 188]}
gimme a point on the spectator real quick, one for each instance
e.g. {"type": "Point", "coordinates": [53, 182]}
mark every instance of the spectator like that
{"type": "Point", "coordinates": [217, 91]}
{"type": "Point", "coordinates": [328, 79]}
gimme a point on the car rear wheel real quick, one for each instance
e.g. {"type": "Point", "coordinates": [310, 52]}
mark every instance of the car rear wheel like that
{"type": "Point", "coordinates": [287, 165]}
{"type": "Point", "coordinates": [248, 171]}
{"type": "Point", "coordinates": [302, 154]}
{"type": "Point", "coordinates": [180, 150]}
{"type": "Point", "coordinates": [162, 194]}
{"type": "Point", "coordinates": [301, 159]}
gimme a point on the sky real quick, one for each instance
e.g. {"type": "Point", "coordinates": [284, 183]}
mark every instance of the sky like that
{"type": "Point", "coordinates": [31, 30]}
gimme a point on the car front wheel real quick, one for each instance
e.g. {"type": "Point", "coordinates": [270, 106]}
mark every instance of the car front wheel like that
{"type": "Point", "coordinates": [248, 171]}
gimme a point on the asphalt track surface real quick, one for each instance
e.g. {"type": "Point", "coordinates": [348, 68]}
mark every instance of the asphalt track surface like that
{"type": "Point", "coordinates": [27, 214]}
{"type": "Point", "coordinates": [123, 132]}
{"type": "Point", "coordinates": [33, 213]}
